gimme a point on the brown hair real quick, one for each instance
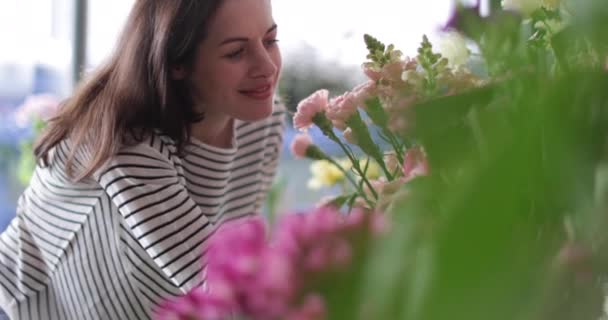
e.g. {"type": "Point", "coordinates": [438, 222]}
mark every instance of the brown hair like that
{"type": "Point", "coordinates": [133, 94]}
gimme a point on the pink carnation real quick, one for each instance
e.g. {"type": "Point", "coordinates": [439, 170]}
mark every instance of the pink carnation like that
{"type": "Point", "coordinates": [415, 164]}
{"type": "Point", "coordinates": [364, 92]}
{"type": "Point", "coordinates": [340, 109]}
{"type": "Point", "coordinates": [307, 108]}
{"type": "Point", "coordinates": [300, 144]}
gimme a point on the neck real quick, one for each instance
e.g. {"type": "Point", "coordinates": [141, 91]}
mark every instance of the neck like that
{"type": "Point", "coordinates": [215, 130]}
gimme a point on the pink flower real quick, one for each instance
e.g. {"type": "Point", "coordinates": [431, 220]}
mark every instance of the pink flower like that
{"type": "Point", "coordinates": [415, 164]}
{"type": "Point", "coordinates": [340, 109]}
{"type": "Point", "coordinates": [300, 144]}
{"type": "Point", "coordinates": [259, 280]}
{"type": "Point", "coordinates": [364, 92]}
{"type": "Point", "coordinates": [235, 251]}
{"type": "Point", "coordinates": [392, 71]}
{"type": "Point", "coordinates": [307, 108]}
{"type": "Point", "coordinates": [197, 304]}
{"type": "Point", "coordinates": [371, 71]}
{"type": "Point", "coordinates": [41, 107]}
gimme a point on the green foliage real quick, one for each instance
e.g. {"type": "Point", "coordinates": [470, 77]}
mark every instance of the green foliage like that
{"type": "Point", "coordinates": [519, 182]}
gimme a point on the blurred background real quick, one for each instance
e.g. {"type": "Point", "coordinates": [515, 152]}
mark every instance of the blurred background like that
{"type": "Point", "coordinates": [47, 45]}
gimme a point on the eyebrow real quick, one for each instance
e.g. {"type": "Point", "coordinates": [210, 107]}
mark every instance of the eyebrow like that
{"type": "Point", "coordinates": [243, 39]}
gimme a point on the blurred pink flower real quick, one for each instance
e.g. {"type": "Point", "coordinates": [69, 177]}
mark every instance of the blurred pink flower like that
{"type": "Point", "coordinates": [195, 305]}
{"type": "Point", "coordinates": [415, 164]}
{"type": "Point", "coordinates": [250, 277]}
{"type": "Point", "coordinates": [300, 144]}
{"type": "Point", "coordinates": [364, 92]}
{"type": "Point", "coordinates": [307, 108]}
{"type": "Point", "coordinates": [371, 71]}
{"type": "Point", "coordinates": [392, 71]}
{"type": "Point", "coordinates": [235, 251]}
{"type": "Point", "coordinates": [43, 107]}
{"type": "Point", "coordinates": [341, 108]}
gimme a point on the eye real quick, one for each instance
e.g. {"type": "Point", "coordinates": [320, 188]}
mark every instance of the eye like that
{"type": "Point", "coordinates": [235, 54]}
{"type": "Point", "coordinates": [270, 42]}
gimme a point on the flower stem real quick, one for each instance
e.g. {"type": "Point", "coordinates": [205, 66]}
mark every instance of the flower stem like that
{"type": "Point", "coordinates": [350, 178]}
{"type": "Point", "coordinates": [354, 161]}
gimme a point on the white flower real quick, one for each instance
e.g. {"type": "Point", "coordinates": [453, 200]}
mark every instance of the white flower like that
{"type": "Point", "coordinates": [525, 7]}
{"type": "Point", "coordinates": [453, 47]}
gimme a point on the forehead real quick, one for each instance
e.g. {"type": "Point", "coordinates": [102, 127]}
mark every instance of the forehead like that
{"type": "Point", "coordinates": [241, 18]}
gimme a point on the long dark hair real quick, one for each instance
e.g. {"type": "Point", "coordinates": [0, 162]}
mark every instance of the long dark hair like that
{"type": "Point", "coordinates": [134, 94]}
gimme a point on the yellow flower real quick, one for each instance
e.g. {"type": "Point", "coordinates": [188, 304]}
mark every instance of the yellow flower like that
{"type": "Point", "coordinates": [373, 169]}
{"type": "Point", "coordinates": [324, 174]}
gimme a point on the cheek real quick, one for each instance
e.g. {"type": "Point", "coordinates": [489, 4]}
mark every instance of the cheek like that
{"type": "Point", "coordinates": [278, 60]}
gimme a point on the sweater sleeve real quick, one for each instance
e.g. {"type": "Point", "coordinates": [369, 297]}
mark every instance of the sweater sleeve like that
{"type": "Point", "coordinates": [148, 189]}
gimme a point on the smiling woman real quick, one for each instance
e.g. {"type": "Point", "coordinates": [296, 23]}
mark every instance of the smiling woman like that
{"type": "Point", "coordinates": [175, 135]}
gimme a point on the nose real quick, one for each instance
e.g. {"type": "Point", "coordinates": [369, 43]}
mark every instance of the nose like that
{"type": "Point", "coordinates": [263, 64]}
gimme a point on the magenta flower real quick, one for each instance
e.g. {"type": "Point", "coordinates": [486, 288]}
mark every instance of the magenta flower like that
{"type": "Point", "coordinates": [300, 144]}
{"type": "Point", "coordinates": [234, 252]}
{"type": "Point", "coordinates": [307, 108]}
{"type": "Point", "coordinates": [250, 277]}
{"type": "Point", "coordinates": [196, 305]}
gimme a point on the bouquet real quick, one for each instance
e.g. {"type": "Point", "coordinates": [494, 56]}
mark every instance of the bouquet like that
{"type": "Point", "coordinates": [494, 180]}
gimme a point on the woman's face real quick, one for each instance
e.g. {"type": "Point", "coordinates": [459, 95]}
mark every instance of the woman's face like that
{"type": "Point", "coordinates": [237, 66]}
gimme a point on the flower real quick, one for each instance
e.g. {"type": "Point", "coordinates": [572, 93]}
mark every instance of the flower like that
{"type": "Point", "coordinates": [414, 164]}
{"type": "Point", "coordinates": [391, 161]}
{"type": "Point", "coordinates": [324, 174]}
{"type": "Point", "coordinates": [300, 144]}
{"type": "Point", "coordinates": [307, 108]}
{"type": "Point", "coordinates": [525, 7]}
{"type": "Point", "coordinates": [41, 107]}
{"type": "Point", "coordinates": [235, 250]}
{"type": "Point", "coordinates": [364, 92]}
{"type": "Point", "coordinates": [372, 71]}
{"type": "Point", "coordinates": [373, 169]}
{"type": "Point", "coordinates": [258, 279]}
{"type": "Point", "coordinates": [340, 109]}
{"type": "Point", "coordinates": [453, 47]}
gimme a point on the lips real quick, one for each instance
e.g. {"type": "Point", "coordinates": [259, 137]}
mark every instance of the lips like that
{"type": "Point", "coordinates": [260, 93]}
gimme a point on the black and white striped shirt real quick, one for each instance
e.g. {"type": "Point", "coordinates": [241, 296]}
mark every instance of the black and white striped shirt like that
{"type": "Point", "coordinates": [113, 246]}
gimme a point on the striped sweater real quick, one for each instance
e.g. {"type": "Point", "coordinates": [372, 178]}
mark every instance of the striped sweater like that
{"type": "Point", "coordinates": [114, 245]}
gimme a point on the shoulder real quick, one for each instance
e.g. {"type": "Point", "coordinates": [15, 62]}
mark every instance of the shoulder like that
{"type": "Point", "coordinates": [156, 155]}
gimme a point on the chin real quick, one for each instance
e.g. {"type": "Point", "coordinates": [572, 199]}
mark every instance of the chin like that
{"type": "Point", "coordinates": [255, 112]}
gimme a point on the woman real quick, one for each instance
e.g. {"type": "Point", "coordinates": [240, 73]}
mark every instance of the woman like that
{"type": "Point", "coordinates": [176, 134]}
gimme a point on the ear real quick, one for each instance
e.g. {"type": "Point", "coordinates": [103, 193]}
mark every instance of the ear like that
{"type": "Point", "coordinates": [178, 72]}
